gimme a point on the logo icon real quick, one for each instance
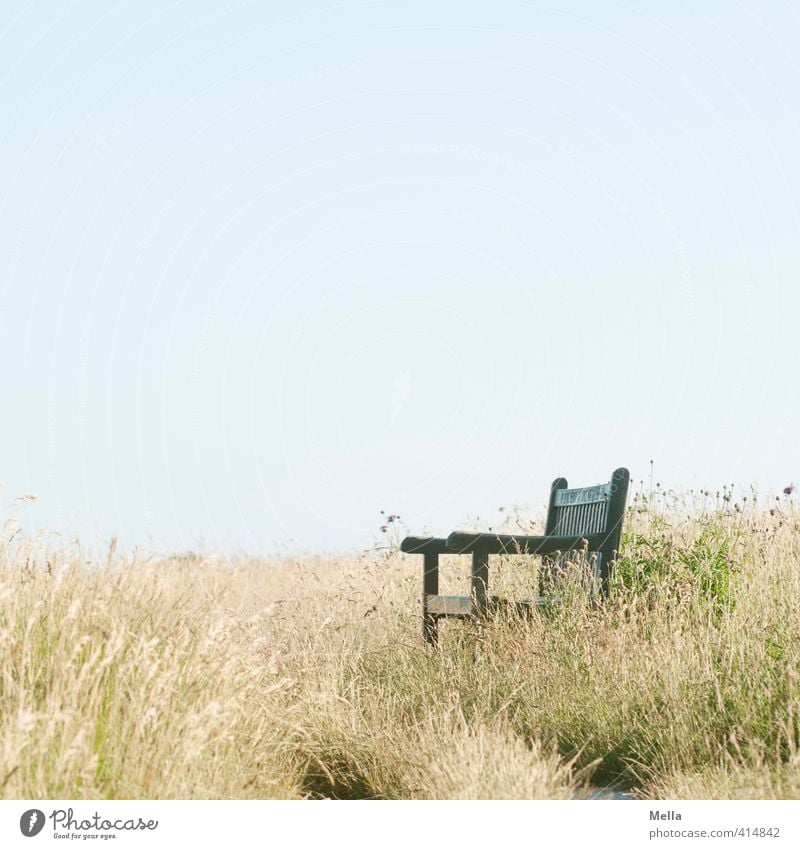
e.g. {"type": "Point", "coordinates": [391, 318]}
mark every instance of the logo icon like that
{"type": "Point", "coordinates": [31, 822]}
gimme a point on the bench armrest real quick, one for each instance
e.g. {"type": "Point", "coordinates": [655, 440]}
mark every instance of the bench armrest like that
{"type": "Point", "coordinates": [460, 542]}
{"type": "Point", "coordinates": [424, 545]}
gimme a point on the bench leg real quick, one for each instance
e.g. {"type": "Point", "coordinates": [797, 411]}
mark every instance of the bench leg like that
{"type": "Point", "coordinates": [606, 555]}
{"type": "Point", "coordinates": [430, 586]}
{"type": "Point", "coordinates": [480, 581]}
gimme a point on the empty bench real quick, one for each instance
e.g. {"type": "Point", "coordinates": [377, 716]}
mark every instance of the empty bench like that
{"type": "Point", "coordinates": [586, 519]}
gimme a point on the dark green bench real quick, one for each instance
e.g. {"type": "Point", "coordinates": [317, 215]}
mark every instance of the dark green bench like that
{"type": "Point", "coordinates": [586, 519]}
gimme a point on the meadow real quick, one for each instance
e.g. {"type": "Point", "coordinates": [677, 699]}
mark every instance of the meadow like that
{"type": "Point", "coordinates": [194, 676]}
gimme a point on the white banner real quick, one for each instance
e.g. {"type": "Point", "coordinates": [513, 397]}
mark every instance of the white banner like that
{"type": "Point", "coordinates": [369, 825]}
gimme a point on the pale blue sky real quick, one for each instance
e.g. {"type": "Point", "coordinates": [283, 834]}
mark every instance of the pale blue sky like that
{"type": "Point", "coordinates": [268, 268]}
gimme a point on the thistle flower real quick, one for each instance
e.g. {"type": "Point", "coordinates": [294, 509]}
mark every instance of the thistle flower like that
{"type": "Point", "coordinates": [788, 490]}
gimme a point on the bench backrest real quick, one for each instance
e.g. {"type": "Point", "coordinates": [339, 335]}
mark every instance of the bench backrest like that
{"type": "Point", "coordinates": [591, 510]}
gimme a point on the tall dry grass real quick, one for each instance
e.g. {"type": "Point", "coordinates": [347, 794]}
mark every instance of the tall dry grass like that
{"type": "Point", "coordinates": [194, 677]}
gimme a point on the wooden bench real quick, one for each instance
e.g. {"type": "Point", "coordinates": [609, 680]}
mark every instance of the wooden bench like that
{"type": "Point", "coordinates": [587, 519]}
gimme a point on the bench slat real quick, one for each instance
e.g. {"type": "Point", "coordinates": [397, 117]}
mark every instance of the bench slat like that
{"type": "Point", "coordinates": [461, 605]}
{"type": "Point", "coordinates": [460, 541]}
{"type": "Point", "coordinates": [449, 605]}
{"type": "Point", "coordinates": [583, 495]}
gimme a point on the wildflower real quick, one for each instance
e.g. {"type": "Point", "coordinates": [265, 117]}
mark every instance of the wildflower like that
{"type": "Point", "coordinates": [384, 528]}
{"type": "Point", "coordinates": [788, 490]}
